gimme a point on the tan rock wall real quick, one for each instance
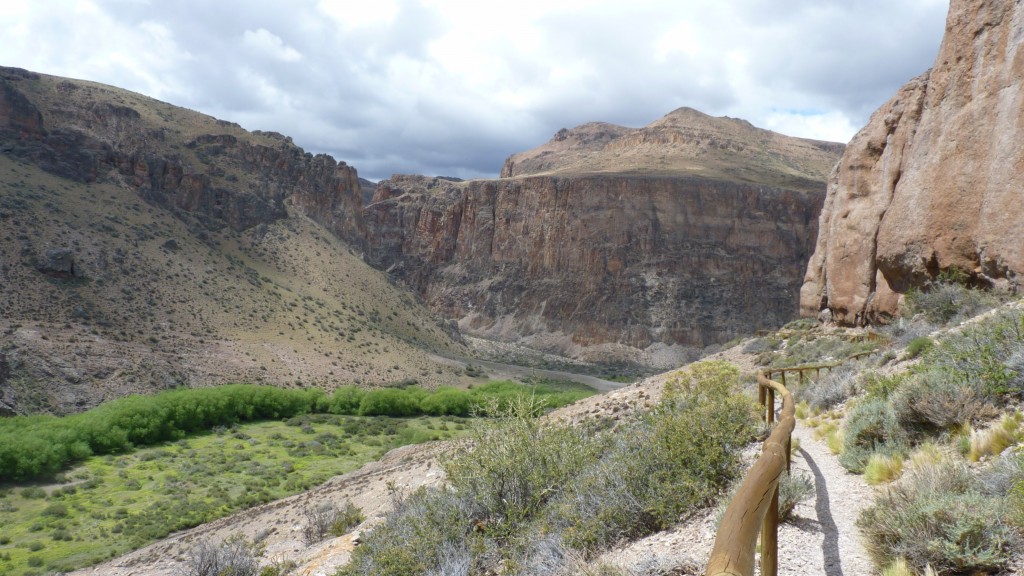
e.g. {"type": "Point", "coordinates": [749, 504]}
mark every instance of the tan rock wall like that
{"type": "Point", "coordinates": [935, 180]}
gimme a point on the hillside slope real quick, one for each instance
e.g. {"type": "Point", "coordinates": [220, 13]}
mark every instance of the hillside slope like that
{"type": "Point", "coordinates": [146, 246]}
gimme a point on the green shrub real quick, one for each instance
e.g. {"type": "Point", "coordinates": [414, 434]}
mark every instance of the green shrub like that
{"type": "Point", "coordinates": [678, 457]}
{"type": "Point", "coordinates": [56, 509]}
{"type": "Point", "coordinates": [345, 400]}
{"type": "Point", "coordinates": [391, 402]}
{"type": "Point", "coordinates": [930, 402]}
{"type": "Point", "coordinates": [447, 402]}
{"type": "Point", "coordinates": [871, 427]}
{"type": "Point", "coordinates": [919, 345]}
{"type": "Point", "coordinates": [937, 516]}
{"type": "Point", "coordinates": [793, 489]}
{"type": "Point", "coordinates": [948, 298]}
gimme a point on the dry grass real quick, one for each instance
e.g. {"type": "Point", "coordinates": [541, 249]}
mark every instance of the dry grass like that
{"type": "Point", "coordinates": [1003, 434]}
{"type": "Point", "coordinates": [882, 469]}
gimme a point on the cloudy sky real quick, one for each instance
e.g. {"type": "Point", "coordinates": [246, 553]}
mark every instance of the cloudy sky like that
{"type": "Point", "coordinates": [446, 87]}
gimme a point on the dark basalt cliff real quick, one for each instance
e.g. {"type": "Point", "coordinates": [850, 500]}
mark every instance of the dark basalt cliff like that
{"type": "Point", "coordinates": [568, 262]}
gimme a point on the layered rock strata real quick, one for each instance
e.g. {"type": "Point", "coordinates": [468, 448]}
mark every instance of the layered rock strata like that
{"type": "Point", "coordinates": [564, 262]}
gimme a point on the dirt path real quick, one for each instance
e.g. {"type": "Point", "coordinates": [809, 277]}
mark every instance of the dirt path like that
{"type": "Point", "coordinates": [823, 537]}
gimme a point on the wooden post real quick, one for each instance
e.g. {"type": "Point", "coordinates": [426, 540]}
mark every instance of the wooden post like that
{"type": "Point", "coordinates": [762, 398]}
{"type": "Point", "coordinates": [801, 373]}
{"type": "Point", "coordinates": [771, 405]}
{"type": "Point", "coordinates": [770, 538]}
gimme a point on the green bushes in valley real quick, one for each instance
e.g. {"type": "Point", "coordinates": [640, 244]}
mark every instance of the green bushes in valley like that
{"type": "Point", "coordinates": [39, 446]}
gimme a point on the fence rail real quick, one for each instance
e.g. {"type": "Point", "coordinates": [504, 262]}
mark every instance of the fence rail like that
{"type": "Point", "coordinates": [754, 510]}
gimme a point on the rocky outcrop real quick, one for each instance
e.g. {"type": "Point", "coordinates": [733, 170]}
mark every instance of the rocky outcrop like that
{"type": "Point", "coordinates": [58, 263]}
{"type": "Point", "coordinates": [223, 177]}
{"type": "Point", "coordinates": [566, 261]}
{"type": "Point", "coordinates": [934, 181]}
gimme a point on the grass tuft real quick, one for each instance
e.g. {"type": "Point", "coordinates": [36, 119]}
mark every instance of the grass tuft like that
{"type": "Point", "coordinates": [882, 469]}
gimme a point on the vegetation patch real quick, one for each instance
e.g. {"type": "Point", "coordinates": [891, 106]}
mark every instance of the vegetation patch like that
{"type": "Point", "coordinates": [112, 504]}
{"type": "Point", "coordinates": [33, 447]}
{"type": "Point", "coordinates": [534, 497]}
{"type": "Point", "coordinates": [939, 516]}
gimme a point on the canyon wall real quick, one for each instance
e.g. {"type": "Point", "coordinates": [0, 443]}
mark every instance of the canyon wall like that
{"type": "Point", "coordinates": [570, 262]}
{"type": "Point", "coordinates": [934, 181]}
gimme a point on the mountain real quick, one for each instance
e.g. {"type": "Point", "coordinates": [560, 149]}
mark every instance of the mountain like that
{"type": "Point", "coordinates": [933, 182]}
{"type": "Point", "coordinates": [614, 244]}
{"type": "Point", "coordinates": [146, 246]}
{"type": "Point", "coordinates": [685, 142]}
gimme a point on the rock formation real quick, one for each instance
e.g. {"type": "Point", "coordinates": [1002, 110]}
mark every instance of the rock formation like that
{"type": "Point", "coordinates": [231, 177]}
{"type": "Point", "coordinates": [641, 239]}
{"type": "Point", "coordinates": [934, 181]}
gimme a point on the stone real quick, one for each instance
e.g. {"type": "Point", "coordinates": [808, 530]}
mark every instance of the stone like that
{"type": "Point", "coordinates": [933, 182]}
{"type": "Point", "coordinates": [58, 263]}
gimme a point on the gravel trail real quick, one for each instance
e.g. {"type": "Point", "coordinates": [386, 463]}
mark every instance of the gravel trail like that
{"type": "Point", "coordinates": [822, 537]}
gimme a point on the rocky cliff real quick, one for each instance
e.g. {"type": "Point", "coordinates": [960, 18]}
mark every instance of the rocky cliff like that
{"type": "Point", "coordinates": [145, 246]}
{"type": "Point", "coordinates": [210, 170]}
{"type": "Point", "coordinates": [641, 249]}
{"type": "Point", "coordinates": [934, 181]}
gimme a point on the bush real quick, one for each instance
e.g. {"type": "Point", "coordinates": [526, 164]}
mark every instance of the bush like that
{"type": "Point", "coordinates": [930, 402]}
{"type": "Point", "coordinates": [833, 388]}
{"type": "Point", "coordinates": [793, 489]}
{"type": "Point", "coordinates": [871, 427]}
{"type": "Point", "coordinates": [391, 402]}
{"type": "Point", "coordinates": [235, 556]}
{"type": "Point", "coordinates": [937, 516]}
{"type": "Point", "coordinates": [513, 465]}
{"type": "Point", "coordinates": [919, 345]}
{"type": "Point", "coordinates": [329, 520]}
{"type": "Point", "coordinates": [676, 458]}
{"type": "Point", "coordinates": [425, 532]}
{"type": "Point", "coordinates": [949, 299]}
{"type": "Point", "coordinates": [447, 402]}
{"type": "Point", "coordinates": [521, 489]}
{"type": "Point", "coordinates": [982, 355]}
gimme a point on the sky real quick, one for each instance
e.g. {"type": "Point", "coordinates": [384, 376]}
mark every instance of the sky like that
{"type": "Point", "coordinates": [444, 87]}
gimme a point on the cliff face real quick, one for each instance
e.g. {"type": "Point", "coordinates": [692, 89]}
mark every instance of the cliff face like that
{"type": "Point", "coordinates": [213, 171]}
{"type": "Point", "coordinates": [566, 262]}
{"type": "Point", "coordinates": [934, 181]}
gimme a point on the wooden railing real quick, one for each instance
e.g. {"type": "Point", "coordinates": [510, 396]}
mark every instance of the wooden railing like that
{"type": "Point", "coordinates": [755, 507]}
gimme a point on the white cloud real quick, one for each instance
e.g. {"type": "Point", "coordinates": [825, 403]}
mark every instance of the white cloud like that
{"type": "Point", "coordinates": [449, 87]}
{"type": "Point", "coordinates": [264, 42]}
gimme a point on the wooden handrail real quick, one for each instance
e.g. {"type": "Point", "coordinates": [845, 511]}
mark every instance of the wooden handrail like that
{"type": "Point", "coordinates": [755, 507]}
